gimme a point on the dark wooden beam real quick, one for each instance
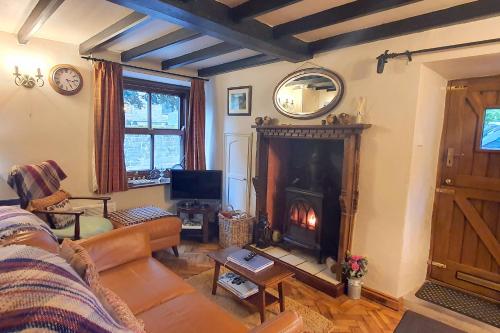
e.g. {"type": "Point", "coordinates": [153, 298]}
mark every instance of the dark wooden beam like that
{"type": "Point", "coordinates": [206, 53]}
{"type": "Point", "coordinates": [213, 18]}
{"type": "Point", "coordinates": [253, 8]}
{"type": "Point", "coordinates": [336, 15]}
{"type": "Point", "coordinates": [454, 15]}
{"type": "Point", "coordinates": [111, 33]}
{"type": "Point", "coordinates": [173, 38]}
{"type": "Point", "coordinates": [42, 11]}
{"type": "Point", "coordinates": [257, 60]}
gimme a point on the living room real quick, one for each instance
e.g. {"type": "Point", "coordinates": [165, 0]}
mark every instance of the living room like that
{"type": "Point", "coordinates": [399, 157]}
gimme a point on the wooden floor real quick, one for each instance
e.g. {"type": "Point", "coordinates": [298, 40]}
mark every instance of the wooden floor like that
{"type": "Point", "coordinates": [347, 315]}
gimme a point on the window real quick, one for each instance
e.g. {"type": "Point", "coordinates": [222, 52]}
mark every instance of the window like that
{"type": "Point", "coordinates": [154, 125]}
{"type": "Point", "coordinates": [490, 134]}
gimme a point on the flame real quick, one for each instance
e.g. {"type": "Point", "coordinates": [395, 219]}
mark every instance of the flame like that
{"type": "Point", "coordinates": [311, 220]}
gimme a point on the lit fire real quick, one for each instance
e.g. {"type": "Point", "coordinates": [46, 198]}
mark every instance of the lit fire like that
{"type": "Point", "coordinates": [311, 221]}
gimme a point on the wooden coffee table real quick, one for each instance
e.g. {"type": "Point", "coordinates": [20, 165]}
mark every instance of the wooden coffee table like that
{"type": "Point", "coordinates": [268, 277]}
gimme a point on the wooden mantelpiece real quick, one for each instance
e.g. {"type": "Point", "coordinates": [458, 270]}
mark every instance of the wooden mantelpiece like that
{"type": "Point", "coordinates": [351, 137]}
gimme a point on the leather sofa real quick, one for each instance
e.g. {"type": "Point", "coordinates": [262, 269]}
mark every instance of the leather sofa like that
{"type": "Point", "coordinates": [155, 294]}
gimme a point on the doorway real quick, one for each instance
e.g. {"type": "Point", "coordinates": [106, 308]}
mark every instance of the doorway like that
{"type": "Point", "coordinates": [465, 249]}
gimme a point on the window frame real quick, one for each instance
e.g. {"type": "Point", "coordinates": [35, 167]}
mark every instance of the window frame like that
{"type": "Point", "coordinates": [151, 87]}
{"type": "Point", "coordinates": [480, 129]}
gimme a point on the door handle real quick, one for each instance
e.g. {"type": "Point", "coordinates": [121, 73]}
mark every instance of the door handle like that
{"type": "Point", "coordinates": [450, 157]}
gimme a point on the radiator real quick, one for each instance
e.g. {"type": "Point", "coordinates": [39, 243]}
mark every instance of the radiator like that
{"type": "Point", "coordinates": [94, 209]}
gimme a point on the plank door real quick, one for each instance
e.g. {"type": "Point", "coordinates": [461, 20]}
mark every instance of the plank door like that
{"type": "Point", "coordinates": [465, 250]}
{"type": "Point", "coordinates": [238, 161]}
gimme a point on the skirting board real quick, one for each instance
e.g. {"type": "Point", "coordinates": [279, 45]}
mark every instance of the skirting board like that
{"type": "Point", "coordinates": [381, 298]}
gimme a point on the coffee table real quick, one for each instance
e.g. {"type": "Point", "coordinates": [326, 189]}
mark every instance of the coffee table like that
{"type": "Point", "coordinates": [266, 278]}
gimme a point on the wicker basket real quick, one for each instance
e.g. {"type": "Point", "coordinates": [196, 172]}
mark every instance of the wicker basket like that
{"type": "Point", "coordinates": [235, 231]}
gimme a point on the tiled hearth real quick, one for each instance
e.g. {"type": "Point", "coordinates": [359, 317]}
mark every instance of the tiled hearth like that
{"type": "Point", "coordinates": [302, 261]}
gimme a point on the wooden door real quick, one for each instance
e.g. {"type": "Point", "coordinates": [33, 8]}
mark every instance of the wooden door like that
{"type": "Point", "coordinates": [237, 168]}
{"type": "Point", "coordinates": [465, 250]}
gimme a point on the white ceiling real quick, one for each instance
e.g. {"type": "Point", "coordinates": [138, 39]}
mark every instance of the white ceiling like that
{"type": "Point", "coordinates": [76, 20]}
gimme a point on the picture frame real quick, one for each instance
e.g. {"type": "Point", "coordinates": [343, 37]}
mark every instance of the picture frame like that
{"type": "Point", "coordinates": [239, 101]}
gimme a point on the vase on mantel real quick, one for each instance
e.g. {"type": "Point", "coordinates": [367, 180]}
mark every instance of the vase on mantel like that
{"type": "Point", "coordinates": [354, 286]}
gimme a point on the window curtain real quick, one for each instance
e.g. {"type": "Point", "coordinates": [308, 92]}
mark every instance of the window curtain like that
{"type": "Point", "coordinates": [195, 129]}
{"type": "Point", "coordinates": [109, 128]}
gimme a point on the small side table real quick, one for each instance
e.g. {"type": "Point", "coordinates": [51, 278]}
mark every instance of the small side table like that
{"type": "Point", "coordinates": [204, 210]}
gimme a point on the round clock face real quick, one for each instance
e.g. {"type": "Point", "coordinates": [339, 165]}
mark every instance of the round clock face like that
{"type": "Point", "coordinates": [66, 79]}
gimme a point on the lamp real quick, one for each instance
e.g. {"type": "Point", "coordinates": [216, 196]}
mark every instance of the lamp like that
{"type": "Point", "coordinates": [27, 80]}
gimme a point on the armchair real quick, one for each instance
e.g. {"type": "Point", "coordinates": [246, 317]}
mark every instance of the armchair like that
{"type": "Point", "coordinates": [42, 181]}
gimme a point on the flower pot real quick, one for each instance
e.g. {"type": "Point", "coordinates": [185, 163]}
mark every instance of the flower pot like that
{"type": "Point", "coordinates": [354, 288]}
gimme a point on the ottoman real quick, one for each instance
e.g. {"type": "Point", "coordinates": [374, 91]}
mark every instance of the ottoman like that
{"type": "Point", "coordinates": [164, 228]}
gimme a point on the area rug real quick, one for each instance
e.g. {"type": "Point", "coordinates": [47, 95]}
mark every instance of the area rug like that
{"type": "Point", "coordinates": [416, 323]}
{"type": "Point", "coordinates": [313, 321]}
{"type": "Point", "coordinates": [466, 304]}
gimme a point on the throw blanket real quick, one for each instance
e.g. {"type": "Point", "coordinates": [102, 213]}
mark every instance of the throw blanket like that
{"type": "Point", "coordinates": [14, 220]}
{"type": "Point", "coordinates": [35, 181]}
{"type": "Point", "coordinates": [39, 291]}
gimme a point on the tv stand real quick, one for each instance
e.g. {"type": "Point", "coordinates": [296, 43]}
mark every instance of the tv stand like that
{"type": "Point", "coordinates": [190, 209]}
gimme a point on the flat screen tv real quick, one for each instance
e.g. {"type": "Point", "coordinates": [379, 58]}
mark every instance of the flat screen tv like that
{"type": "Point", "coordinates": [203, 185]}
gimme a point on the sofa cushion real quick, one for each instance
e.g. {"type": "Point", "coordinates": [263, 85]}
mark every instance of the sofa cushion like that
{"type": "Point", "coordinates": [89, 226]}
{"type": "Point", "coordinates": [15, 220]}
{"type": "Point", "coordinates": [144, 283]}
{"type": "Point", "coordinates": [41, 292]}
{"type": "Point", "coordinates": [61, 221]}
{"type": "Point", "coordinates": [190, 313]}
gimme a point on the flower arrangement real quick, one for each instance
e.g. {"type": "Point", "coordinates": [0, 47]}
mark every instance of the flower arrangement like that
{"type": "Point", "coordinates": [354, 266]}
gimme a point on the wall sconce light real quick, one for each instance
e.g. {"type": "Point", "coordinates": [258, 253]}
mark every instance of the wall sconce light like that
{"type": "Point", "coordinates": [28, 81]}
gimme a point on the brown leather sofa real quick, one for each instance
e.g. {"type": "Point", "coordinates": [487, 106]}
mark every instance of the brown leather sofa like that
{"type": "Point", "coordinates": [163, 300]}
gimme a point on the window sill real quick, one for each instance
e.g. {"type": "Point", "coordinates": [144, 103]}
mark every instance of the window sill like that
{"type": "Point", "coordinates": [140, 184]}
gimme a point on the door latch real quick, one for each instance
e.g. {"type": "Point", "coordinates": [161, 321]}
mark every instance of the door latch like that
{"type": "Point", "coordinates": [438, 264]}
{"type": "Point", "coordinates": [450, 157]}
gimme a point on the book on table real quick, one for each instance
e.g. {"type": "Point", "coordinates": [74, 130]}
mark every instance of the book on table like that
{"type": "Point", "coordinates": [256, 264]}
{"type": "Point", "coordinates": [238, 285]}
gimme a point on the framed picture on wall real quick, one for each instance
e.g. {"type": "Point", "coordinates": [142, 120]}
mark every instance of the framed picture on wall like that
{"type": "Point", "coordinates": [239, 101]}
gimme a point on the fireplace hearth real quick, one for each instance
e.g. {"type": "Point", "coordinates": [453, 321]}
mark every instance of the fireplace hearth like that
{"type": "Point", "coordinates": [306, 181]}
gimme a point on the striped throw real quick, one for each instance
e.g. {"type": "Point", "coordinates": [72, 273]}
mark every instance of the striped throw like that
{"type": "Point", "coordinates": [35, 181]}
{"type": "Point", "coordinates": [14, 220]}
{"type": "Point", "coordinates": [39, 291]}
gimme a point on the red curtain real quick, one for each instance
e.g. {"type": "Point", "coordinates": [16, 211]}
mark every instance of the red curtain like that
{"type": "Point", "coordinates": [195, 127]}
{"type": "Point", "coordinates": [109, 128]}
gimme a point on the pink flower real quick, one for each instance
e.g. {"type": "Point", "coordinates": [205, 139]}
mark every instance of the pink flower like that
{"type": "Point", "coordinates": [356, 258]}
{"type": "Point", "coordinates": [354, 266]}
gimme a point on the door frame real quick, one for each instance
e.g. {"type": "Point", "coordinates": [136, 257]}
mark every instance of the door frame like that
{"type": "Point", "coordinates": [249, 137]}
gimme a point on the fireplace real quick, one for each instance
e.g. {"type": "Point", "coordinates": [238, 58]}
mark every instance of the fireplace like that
{"type": "Point", "coordinates": [306, 182]}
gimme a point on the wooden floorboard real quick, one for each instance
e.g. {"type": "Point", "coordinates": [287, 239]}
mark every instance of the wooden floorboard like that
{"type": "Point", "coordinates": [349, 316]}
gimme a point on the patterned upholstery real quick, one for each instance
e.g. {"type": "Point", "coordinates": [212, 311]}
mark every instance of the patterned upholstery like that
{"type": "Point", "coordinates": [14, 220]}
{"type": "Point", "coordinates": [139, 215]}
{"type": "Point", "coordinates": [41, 292]}
{"type": "Point", "coordinates": [35, 181]}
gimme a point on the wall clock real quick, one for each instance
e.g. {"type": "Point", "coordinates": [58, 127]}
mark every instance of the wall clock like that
{"type": "Point", "coordinates": [66, 79]}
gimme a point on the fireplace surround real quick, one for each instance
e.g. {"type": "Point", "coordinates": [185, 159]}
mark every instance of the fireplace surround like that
{"type": "Point", "coordinates": [306, 180]}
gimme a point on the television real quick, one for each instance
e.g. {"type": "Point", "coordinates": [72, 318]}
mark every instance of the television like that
{"type": "Point", "coordinates": [202, 185]}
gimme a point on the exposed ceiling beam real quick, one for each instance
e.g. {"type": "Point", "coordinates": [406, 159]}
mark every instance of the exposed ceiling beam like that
{"type": "Point", "coordinates": [42, 11]}
{"type": "Point", "coordinates": [454, 15]}
{"type": "Point", "coordinates": [336, 15]}
{"type": "Point", "coordinates": [253, 8]}
{"type": "Point", "coordinates": [176, 37]}
{"type": "Point", "coordinates": [257, 60]}
{"type": "Point", "coordinates": [112, 32]}
{"type": "Point", "coordinates": [206, 53]}
{"type": "Point", "coordinates": [213, 18]}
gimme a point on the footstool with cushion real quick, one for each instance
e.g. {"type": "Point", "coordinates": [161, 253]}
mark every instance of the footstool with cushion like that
{"type": "Point", "coordinates": [164, 228]}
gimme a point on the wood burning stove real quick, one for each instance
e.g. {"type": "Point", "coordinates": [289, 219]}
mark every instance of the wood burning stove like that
{"type": "Point", "coordinates": [303, 220]}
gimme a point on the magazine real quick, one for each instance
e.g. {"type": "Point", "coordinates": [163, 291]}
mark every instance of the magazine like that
{"type": "Point", "coordinates": [238, 285]}
{"type": "Point", "coordinates": [256, 264]}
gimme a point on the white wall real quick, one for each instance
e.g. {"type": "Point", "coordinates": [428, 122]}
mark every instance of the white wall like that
{"type": "Point", "coordinates": [39, 124]}
{"type": "Point", "coordinates": [398, 159]}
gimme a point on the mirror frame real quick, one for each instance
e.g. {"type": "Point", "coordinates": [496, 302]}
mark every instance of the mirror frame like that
{"type": "Point", "coordinates": [327, 108]}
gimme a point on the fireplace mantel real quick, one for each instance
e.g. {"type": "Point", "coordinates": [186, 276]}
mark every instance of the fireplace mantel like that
{"type": "Point", "coordinates": [350, 135]}
{"type": "Point", "coordinates": [311, 131]}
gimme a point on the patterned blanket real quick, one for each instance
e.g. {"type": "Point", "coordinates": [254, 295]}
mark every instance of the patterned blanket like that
{"type": "Point", "coordinates": [14, 220]}
{"type": "Point", "coordinates": [40, 292]}
{"type": "Point", "coordinates": [35, 181]}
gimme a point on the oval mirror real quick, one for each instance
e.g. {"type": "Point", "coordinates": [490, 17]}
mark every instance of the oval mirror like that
{"type": "Point", "coordinates": [308, 93]}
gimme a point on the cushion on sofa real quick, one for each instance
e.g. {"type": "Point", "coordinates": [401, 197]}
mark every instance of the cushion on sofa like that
{"type": "Point", "coordinates": [15, 220]}
{"type": "Point", "coordinates": [41, 292]}
{"type": "Point", "coordinates": [61, 221]}
{"type": "Point", "coordinates": [144, 283]}
{"type": "Point", "coordinates": [81, 262]}
{"type": "Point", "coordinates": [89, 226]}
{"type": "Point", "coordinates": [210, 318]}
{"type": "Point", "coordinates": [50, 200]}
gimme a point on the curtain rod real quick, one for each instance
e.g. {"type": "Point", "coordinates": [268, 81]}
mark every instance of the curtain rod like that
{"type": "Point", "coordinates": [382, 59]}
{"type": "Point", "coordinates": [146, 69]}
